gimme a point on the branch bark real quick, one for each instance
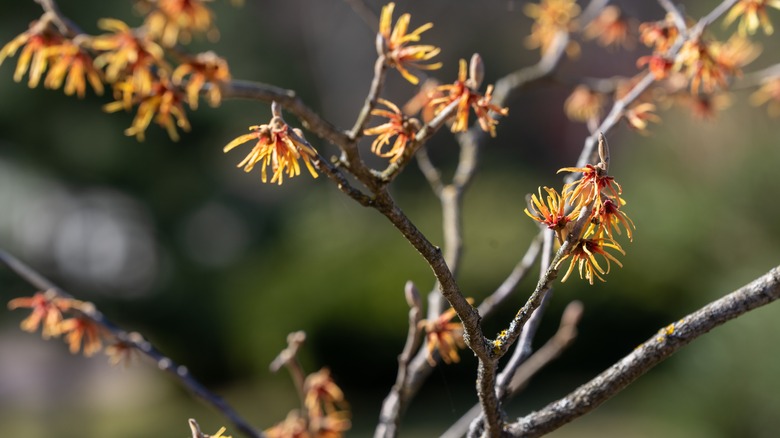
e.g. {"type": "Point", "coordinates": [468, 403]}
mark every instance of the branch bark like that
{"type": "Point", "coordinates": [661, 346]}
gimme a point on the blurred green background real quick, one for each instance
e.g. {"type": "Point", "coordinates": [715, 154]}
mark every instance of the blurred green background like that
{"type": "Point", "coordinates": [215, 268]}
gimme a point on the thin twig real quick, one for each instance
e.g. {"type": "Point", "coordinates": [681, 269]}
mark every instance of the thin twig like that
{"type": "Point", "coordinates": [494, 300]}
{"type": "Point", "coordinates": [523, 347]}
{"type": "Point", "coordinates": [561, 340]}
{"type": "Point", "coordinates": [389, 421]}
{"type": "Point", "coordinates": [661, 346]}
{"type": "Point", "coordinates": [365, 13]}
{"type": "Point", "coordinates": [677, 16]}
{"type": "Point", "coordinates": [179, 372]}
{"type": "Point", "coordinates": [289, 358]}
{"type": "Point", "coordinates": [380, 70]}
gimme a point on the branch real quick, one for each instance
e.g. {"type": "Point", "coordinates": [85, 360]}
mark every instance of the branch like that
{"type": "Point", "coordinates": [389, 417]}
{"type": "Point", "coordinates": [561, 340]}
{"type": "Point", "coordinates": [179, 372]}
{"type": "Point", "coordinates": [494, 300]}
{"type": "Point", "coordinates": [666, 342]}
{"type": "Point", "coordinates": [239, 89]}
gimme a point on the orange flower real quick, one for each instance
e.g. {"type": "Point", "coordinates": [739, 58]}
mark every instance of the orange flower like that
{"type": "Point", "coordinates": [47, 308]}
{"type": "Point", "coordinates": [68, 59]}
{"type": "Point", "coordinates": [584, 104]}
{"type": "Point", "coordinates": [708, 65]}
{"type": "Point", "coordinates": [174, 21]}
{"type": "Point", "coordinates": [611, 28]}
{"type": "Point", "coordinates": [396, 44]}
{"type": "Point", "coordinates": [163, 104]}
{"type": "Point", "coordinates": [769, 93]}
{"type": "Point", "coordinates": [400, 126]}
{"type": "Point", "coordinates": [82, 329]}
{"type": "Point", "coordinates": [420, 102]}
{"type": "Point", "coordinates": [278, 146]}
{"type": "Point", "coordinates": [464, 91]}
{"type": "Point", "coordinates": [205, 69]}
{"type": "Point", "coordinates": [752, 14]}
{"type": "Point", "coordinates": [125, 55]}
{"type": "Point", "coordinates": [550, 18]}
{"type": "Point", "coordinates": [588, 188]}
{"type": "Point", "coordinates": [444, 336]}
{"type": "Point", "coordinates": [37, 39]}
{"type": "Point", "coordinates": [660, 35]}
{"type": "Point", "coordinates": [658, 65]}
{"type": "Point", "coordinates": [552, 212]}
{"type": "Point", "coordinates": [584, 255]}
{"type": "Point", "coordinates": [322, 395]}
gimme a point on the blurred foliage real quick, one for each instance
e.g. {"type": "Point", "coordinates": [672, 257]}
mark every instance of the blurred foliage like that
{"type": "Point", "coordinates": [241, 264]}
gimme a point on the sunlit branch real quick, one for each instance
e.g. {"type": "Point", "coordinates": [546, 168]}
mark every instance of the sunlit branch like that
{"type": "Point", "coordinates": [662, 345]}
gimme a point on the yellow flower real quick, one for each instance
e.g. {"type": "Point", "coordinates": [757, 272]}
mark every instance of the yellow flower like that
{"type": "Point", "coordinates": [173, 21]}
{"type": "Point", "coordinates": [278, 146]}
{"type": "Point", "coordinates": [37, 39]}
{"type": "Point", "coordinates": [396, 44]}
{"type": "Point", "coordinates": [552, 212]}
{"type": "Point", "coordinates": [584, 256]}
{"type": "Point", "coordinates": [220, 432]}
{"type": "Point", "coordinates": [752, 14]}
{"type": "Point", "coordinates": [400, 126]}
{"type": "Point", "coordinates": [71, 61]}
{"type": "Point", "coordinates": [205, 69]}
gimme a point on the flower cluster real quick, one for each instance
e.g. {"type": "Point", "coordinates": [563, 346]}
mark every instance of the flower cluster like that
{"type": "Point", "coordinates": [67, 62]}
{"type": "Point", "coordinates": [132, 61]}
{"type": "Point", "coordinates": [588, 213]}
{"type": "Point", "coordinates": [465, 95]}
{"type": "Point", "coordinates": [708, 65]}
{"type": "Point", "coordinates": [81, 330]}
{"type": "Point", "coordinates": [326, 411]}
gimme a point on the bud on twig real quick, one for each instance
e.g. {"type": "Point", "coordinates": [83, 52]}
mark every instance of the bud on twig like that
{"type": "Point", "coordinates": [412, 295]}
{"type": "Point", "coordinates": [476, 71]}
